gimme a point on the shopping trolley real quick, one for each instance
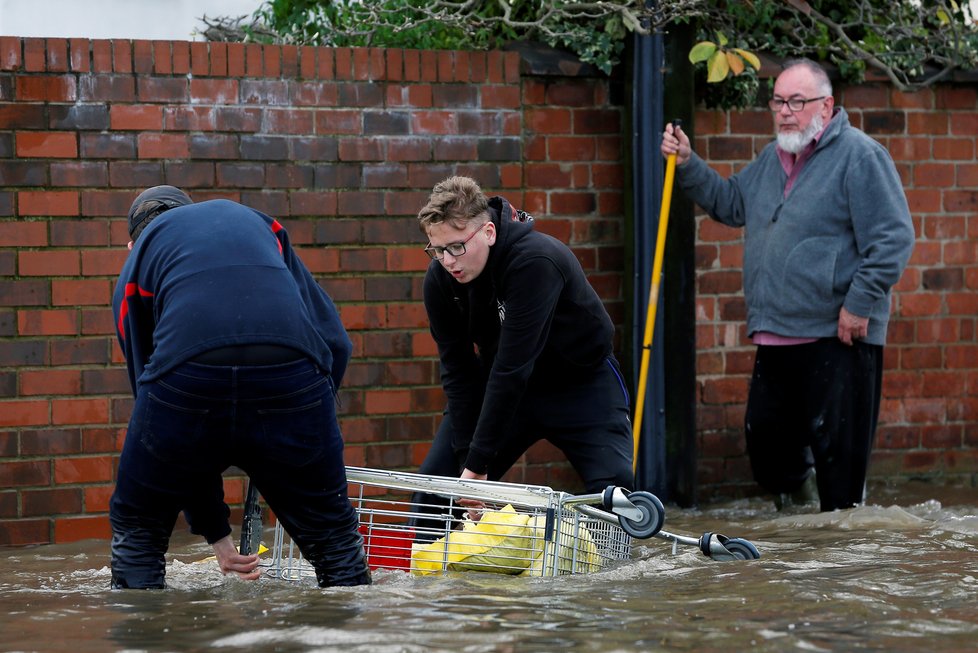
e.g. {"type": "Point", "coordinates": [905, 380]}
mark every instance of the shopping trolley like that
{"type": "Point", "coordinates": [496, 527]}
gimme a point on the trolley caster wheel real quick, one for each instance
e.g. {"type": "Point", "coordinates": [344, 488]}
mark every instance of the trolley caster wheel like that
{"type": "Point", "coordinates": [742, 549]}
{"type": "Point", "coordinates": [653, 516]}
{"type": "Point", "coordinates": [727, 548]}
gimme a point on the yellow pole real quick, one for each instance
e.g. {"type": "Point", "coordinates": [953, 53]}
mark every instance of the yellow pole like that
{"type": "Point", "coordinates": [660, 247]}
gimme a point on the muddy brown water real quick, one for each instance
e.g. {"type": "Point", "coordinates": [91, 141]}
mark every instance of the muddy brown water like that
{"type": "Point", "coordinates": [899, 574]}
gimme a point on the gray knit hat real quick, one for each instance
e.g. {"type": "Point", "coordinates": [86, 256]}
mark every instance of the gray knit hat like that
{"type": "Point", "coordinates": [150, 203]}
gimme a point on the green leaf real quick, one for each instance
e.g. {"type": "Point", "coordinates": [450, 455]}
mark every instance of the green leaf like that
{"type": "Point", "coordinates": [722, 38]}
{"type": "Point", "coordinates": [717, 67]}
{"type": "Point", "coordinates": [702, 51]}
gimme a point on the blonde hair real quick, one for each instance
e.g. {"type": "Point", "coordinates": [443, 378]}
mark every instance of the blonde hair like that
{"type": "Point", "coordinates": [456, 200]}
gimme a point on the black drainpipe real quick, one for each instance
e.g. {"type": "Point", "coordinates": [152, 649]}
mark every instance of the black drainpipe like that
{"type": "Point", "coordinates": [647, 174]}
{"type": "Point", "coordinates": [662, 90]}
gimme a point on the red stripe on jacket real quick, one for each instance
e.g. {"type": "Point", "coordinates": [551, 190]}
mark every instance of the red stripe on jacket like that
{"type": "Point", "coordinates": [132, 289]}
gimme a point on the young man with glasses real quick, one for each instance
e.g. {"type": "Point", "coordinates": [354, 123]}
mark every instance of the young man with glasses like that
{"type": "Point", "coordinates": [525, 345]}
{"type": "Point", "coordinates": [827, 234]}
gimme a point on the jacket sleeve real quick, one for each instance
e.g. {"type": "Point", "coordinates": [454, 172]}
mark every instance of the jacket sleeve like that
{"type": "Point", "coordinates": [321, 309]}
{"type": "Point", "coordinates": [132, 308]}
{"type": "Point", "coordinates": [530, 290]}
{"type": "Point", "coordinates": [207, 514]}
{"type": "Point", "coordinates": [882, 227]}
{"type": "Point", "coordinates": [719, 197]}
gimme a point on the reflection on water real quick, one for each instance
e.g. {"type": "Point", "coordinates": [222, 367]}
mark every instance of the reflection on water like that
{"type": "Point", "coordinates": [899, 575]}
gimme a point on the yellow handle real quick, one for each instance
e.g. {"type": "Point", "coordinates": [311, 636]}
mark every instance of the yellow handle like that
{"type": "Point", "coordinates": [660, 247]}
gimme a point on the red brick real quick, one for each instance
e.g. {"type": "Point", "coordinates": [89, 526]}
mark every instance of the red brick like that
{"type": "Point", "coordinates": [376, 65]}
{"type": "Point", "coordinates": [23, 532]}
{"type": "Point", "coordinates": [78, 173]}
{"type": "Point", "coordinates": [142, 55]}
{"type": "Point", "coordinates": [955, 149]}
{"type": "Point", "coordinates": [87, 469]}
{"type": "Point", "coordinates": [23, 234]}
{"type": "Point", "coordinates": [121, 56]}
{"type": "Point", "coordinates": [434, 122]}
{"type": "Point", "coordinates": [214, 91]}
{"type": "Point", "coordinates": [44, 503]}
{"type": "Point", "coordinates": [79, 55]}
{"type": "Point", "coordinates": [927, 123]}
{"type": "Point", "coordinates": [25, 473]}
{"type": "Point", "coordinates": [909, 149]}
{"type": "Point", "coordinates": [137, 117]}
{"type": "Point", "coordinates": [253, 60]}
{"type": "Point", "coordinates": [101, 56]}
{"type": "Point", "coordinates": [11, 52]}
{"type": "Point", "coordinates": [47, 203]}
{"type": "Point", "coordinates": [46, 89]}
{"type": "Point", "coordinates": [80, 411]}
{"type": "Point", "coordinates": [272, 60]}
{"type": "Point", "coordinates": [725, 390]}
{"type": "Point", "coordinates": [49, 382]}
{"type": "Point", "coordinates": [915, 305]}
{"type": "Point", "coordinates": [180, 57]}
{"type": "Point", "coordinates": [79, 292]}
{"type": "Point", "coordinates": [964, 124]}
{"type": "Point", "coordinates": [218, 58]}
{"type": "Point", "coordinates": [163, 146]}
{"type": "Point", "coordinates": [75, 529]}
{"type": "Point", "coordinates": [47, 263]}
{"type": "Point", "coordinates": [49, 442]}
{"type": "Point", "coordinates": [47, 323]}
{"type": "Point", "coordinates": [933, 175]}
{"type": "Point", "coordinates": [97, 498]}
{"type": "Point", "coordinates": [102, 440]}
{"type": "Point", "coordinates": [47, 144]}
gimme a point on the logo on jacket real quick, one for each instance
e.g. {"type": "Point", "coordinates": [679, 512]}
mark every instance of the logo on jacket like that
{"type": "Point", "coordinates": [501, 307]}
{"type": "Point", "coordinates": [521, 216]}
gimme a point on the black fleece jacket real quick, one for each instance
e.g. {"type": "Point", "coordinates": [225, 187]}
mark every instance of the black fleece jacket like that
{"type": "Point", "coordinates": [530, 321]}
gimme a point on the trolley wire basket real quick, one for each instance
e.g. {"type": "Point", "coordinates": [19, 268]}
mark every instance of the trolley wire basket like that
{"type": "Point", "coordinates": [481, 526]}
{"type": "Point", "coordinates": [435, 524]}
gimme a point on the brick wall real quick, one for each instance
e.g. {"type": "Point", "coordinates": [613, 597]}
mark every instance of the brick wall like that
{"type": "Point", "coordinates": [929, 414]}
{"type": "Point", "coordinates": [341, 145]}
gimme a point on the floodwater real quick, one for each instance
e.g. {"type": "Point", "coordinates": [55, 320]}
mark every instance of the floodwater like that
{"type": "Point", "coordinates": [899, 574]}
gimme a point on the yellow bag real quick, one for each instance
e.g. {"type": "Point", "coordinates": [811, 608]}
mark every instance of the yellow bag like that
{"type": "Point", "coordinates": [499, 542]}
{"type": "Point", "coordinates": [574, 550]}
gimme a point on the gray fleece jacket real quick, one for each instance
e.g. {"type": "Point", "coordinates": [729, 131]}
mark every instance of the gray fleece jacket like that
{"type": "Point", "coordinates": [841, 237]}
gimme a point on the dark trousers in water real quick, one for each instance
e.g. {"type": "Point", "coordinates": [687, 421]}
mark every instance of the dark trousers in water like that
{"type": "Point", "coordinates": [588, 421]}
{"type": "Point", "coordinates": [815, 404]}
{"type": "Point", "coordinates": [275, 422]}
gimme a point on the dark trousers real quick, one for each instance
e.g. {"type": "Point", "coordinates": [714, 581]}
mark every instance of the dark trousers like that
{"type": "Point", "coordinates": [275, 422]}
{"type": "Point", "coordinates": [588, 421]}
{"type": "Point", "coordinates": [814, 405]}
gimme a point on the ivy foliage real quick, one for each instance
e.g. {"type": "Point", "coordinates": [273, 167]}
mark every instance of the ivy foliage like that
{"type": "Point", "coordinates": [912, 42]}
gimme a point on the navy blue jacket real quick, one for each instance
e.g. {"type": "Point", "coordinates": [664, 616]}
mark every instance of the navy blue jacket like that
{"type": "Point", "coordinates": [530, 320]}
{"type": "Point", "coordinates": [215, 274]}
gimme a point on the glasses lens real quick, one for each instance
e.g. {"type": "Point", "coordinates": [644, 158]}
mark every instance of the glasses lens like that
{"type": "Point", "coordinates": [432, 252]}
{"type": "Point", "coordinates": [776, 104]}
{"type": "Point", "coordinates": [796, 104]}
{"type": "Point", "coordinates": [455, 249]}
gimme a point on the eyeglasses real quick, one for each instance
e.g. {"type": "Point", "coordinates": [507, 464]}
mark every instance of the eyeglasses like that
{"type": "Point", "coordinates": [437, 252]}
{"type": "Point", "coordinates": [794, 104]}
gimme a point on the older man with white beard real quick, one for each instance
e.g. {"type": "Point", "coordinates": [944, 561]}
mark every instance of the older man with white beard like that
{"type": "Point", "coordinates": [827, 234]}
